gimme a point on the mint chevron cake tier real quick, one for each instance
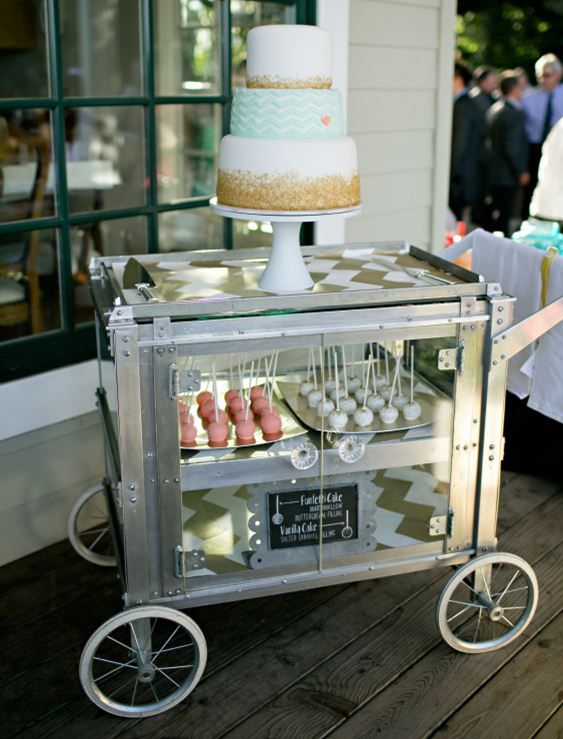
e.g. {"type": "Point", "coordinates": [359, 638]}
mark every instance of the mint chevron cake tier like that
{"type": "Point", "coordinates": [287, 114]}
{"type": "Point", "coordinates": [288, 174]}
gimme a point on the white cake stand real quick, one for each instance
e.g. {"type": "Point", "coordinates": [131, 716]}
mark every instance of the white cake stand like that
{"type": "Point", "coordinates": [286, 271]}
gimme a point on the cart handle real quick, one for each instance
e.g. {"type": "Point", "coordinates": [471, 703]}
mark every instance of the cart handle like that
{"type": "Point", "coordinates": [511, 341]}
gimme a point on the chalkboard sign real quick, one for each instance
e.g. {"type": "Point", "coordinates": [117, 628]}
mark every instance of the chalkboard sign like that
{"type": "Point", "coordinates": [294, 516]}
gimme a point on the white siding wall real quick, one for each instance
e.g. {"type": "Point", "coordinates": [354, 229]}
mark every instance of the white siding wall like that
{"type": "Point", "coordinates": [399, 107]}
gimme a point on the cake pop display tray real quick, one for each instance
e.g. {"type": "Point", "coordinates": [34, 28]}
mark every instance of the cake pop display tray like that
{"type": "Point", "coordinates": [290, 427]}
{"type": "Point", "coordinates": [433, 404]}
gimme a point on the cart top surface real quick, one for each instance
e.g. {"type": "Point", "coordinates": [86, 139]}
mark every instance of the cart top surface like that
{"type": "Point", "coordinates": [213, 283]}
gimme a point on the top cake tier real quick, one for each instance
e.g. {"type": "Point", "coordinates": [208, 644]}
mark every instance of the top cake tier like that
{"type": "Point", "coordinates": [289, 57]}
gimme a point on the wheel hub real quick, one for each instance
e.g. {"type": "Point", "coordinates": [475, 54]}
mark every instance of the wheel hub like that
{"type": "Point", "coordinates": [146, 673]}
{"type": "Point", "coordinates": [496, 613]}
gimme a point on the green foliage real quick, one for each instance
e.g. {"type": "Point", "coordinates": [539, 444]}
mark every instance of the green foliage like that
{"type": "Point", "coordinates": [508, 34]}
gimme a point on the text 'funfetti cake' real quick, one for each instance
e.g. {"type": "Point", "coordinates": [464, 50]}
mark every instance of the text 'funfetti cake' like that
{"type": "Point", "coordinates": [288, 149]}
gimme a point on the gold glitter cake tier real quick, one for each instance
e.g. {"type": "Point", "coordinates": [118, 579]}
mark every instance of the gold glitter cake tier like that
{"type": "Point", "coordinates": [287, 191]}
{"type": "Point", "coordinates": [265, 81]}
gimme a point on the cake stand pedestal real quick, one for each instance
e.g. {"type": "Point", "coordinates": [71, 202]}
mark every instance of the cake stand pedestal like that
{"type": "Point", "coordinates": [286, 271]}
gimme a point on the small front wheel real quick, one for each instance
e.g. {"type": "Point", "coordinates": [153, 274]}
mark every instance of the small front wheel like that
{"type": "Point", "coordinates": [143, 661]}
{"type": "Point", "coordinates": [88, 527]}
{"type": "Point", "coordinates": [487, 603]}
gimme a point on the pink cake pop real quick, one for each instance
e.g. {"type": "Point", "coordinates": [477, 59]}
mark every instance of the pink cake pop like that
{"type": "Point", "coordinates": [245, 426]}
{"type": "Point", "coordinates": [232, 392]}
{"type": "Point", "coordinates": [203, 397]}
{"type": "Point", "coordinates": [218, 430]}
{"type": "Point", "coordinates": [208, 408]}
{"type": "Point", "coordinates": [188, 433]}
{"type": "Point", "coordinates": [271, 423]}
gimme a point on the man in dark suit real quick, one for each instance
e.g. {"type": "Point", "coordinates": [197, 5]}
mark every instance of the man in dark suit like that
{"type": "Point", "coordinates": [507, 150]}
{"type": "Point", "coordinates": [465, 144]}
{"type": "Point", "coordinates": [483, 95]}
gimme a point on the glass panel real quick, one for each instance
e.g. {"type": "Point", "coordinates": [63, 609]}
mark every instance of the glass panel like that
{"type": "Point", "coordinates": [100, 47]}
{"type": "Point", "coordinates": [188, 140]}
{"type": "Point", "coordinates": [26, 176]}
{"type": "Point", "coordinates": [251, 233]}
{"type": "Point", "coordinates": [197, 228]}
{"type": "Point", "coordinates": [245, 15]}
{"type": "Point", "coordinates": [368, 408]}
{"type": "Point", "coordinates": [106, 238]}
{"type": "Point", "coordinates": [187, 50]}
{"type": "Point", "coordinates": [23, 49]}
{"type": "Point", "coordinates": [105, 158]}
{"type": "Point", "coordinates": [29, 284]}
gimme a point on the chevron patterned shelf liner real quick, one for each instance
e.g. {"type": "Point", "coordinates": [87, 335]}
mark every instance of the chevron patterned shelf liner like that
{"type": "Point", "coordinates": [351, 269]}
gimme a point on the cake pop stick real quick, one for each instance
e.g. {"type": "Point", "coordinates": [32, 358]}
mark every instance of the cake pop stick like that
{"type": "Point", "coordinates": [399, 400]}
{"type": "Point", "coordinates": [412, 409]}
{"type": "Point", "coordinates": [315, 396]}
{"type": "Point", "coordinates": [345, 371]}
{"type": "Point", "coordinates": [364, 416]}
{"type": "Point", "coordinates": [389, 413]}
{"type": "Point", "coordinates": [249, 387]}
{"type": "Point", "coordinates": [215, 387]}
{"type": "Point", "coordinates": [324, 406]}
{"type": "Point", "coordinates": [306, 386]}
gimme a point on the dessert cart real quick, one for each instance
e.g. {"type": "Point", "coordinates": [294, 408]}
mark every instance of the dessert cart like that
{"type": "Point", "coordinates": [198, 523]}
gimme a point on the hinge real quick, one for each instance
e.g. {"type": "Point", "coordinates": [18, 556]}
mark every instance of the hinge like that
{"type": "Point", "coordinates": [452, 359]}
{"type": "Point", "coordinates": [185, 561]}
{"type": "Point", "coordinates": [182, 381]}
{"type": "Point", "coordinates": [442, 525]}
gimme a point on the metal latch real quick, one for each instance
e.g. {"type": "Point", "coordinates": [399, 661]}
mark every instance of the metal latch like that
{"type": "Point", "coordinates": [185, 561]}
{"type": "Point", "coordinates": [182, 381]}
{"type": "Point", "coordinates": [442, 525]}
{"type": "Point", "coordinates": [452, 359]}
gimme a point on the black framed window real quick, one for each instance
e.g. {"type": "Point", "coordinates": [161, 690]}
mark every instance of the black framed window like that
{"type": "Point", "coordinates": [111, 113]}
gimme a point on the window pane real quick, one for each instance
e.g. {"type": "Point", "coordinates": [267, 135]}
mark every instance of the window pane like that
{"type": "Point", "coordinates": [245, 15]}
{"type": "Point", "coordinates": [100, 43]}
{"type": "Point", "coordinates": [251, 233]}
{"type": "Point", "coordinates": [23, 49]}
{"type": "Point", "coordinates": [29, 284]}
{"type": "Point", "coordinates": [188, 140]}
{"type": "Point", "coordinates": [26, 172]}
{"type": "Point", "coordinates": [105, 158]}
{"type": "Point", "coordinates": [197, 228]}
{"type": "Point", "coordinates": [108, 238]}
{"type": "Point", "coordinates": [187, 49]}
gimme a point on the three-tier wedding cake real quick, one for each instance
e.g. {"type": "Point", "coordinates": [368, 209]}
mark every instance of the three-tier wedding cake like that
{"type": "Point", "coordinates": [287, 150]}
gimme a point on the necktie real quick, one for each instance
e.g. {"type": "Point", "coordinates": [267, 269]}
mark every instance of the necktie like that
{"type": "Point", "coordinates": [547, 119]}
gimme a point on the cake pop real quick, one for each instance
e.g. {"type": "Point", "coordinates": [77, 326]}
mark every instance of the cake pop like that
{"type": "Point", "coordinates": [330, 384]}
{"type": "Point", "coordinates": [315, 396]}
{"type": "Point", "coordinates": [232, 392]}
{"type": "Point", "coordinates": [380, 380]}
{"type": "Point", "coordinates": [375, 400]}
{"type": "Point", "coordinates": [363, 416]}
{"type": "Point", "coordinates": [202, 397]}
{"type": "Point", "coordinates": [218, 430]}
{"type": "Point", "coordinates": [347, 404]}
{"type": "Point", "coordinates": [353, 381]}
{"type": "Point", "coordinates": [208, 408]}
{"type": "Point", "coordinates": [188, 433]}
{"type": "Point", "coordinates": [399, 401]}
{"type": "Point", "coordinates": [245, 426]}
{"type": "Point", "coordinates": [389, 413]}
{"type": "Point", "coordinates": [270, 423]}
{"type": "Point", "coordinates": [337, 419]}
{"type": "Point", "coordinates": [325, 407]}
{"type": "Point", "coordinates": [412, 410]}
{"type": "Point", "coordinates": [306, 386]}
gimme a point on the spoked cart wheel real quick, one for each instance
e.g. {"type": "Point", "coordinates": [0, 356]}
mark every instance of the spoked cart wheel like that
{"type": "Point", "coordinates": [143, 661]}
{"type": "Point", "coordinates": [487, 603]}
{"type": "Point", "coordinates": [89, 529]}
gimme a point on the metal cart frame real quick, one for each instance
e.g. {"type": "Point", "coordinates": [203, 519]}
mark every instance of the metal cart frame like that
{"type": "Point", "coordinates": [145, 476]}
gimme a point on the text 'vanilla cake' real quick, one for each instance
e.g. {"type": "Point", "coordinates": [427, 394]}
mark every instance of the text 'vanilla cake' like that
{"type": "Point", "coordinates": [287, 150]}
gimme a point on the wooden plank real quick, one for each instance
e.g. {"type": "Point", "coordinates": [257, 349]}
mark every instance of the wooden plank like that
{"type": "Point", "coordinates": [404, 69]}
{"type": "Point", "coordinates": [528, 689]}
{"type": "Point", "coordinates": [406, 708]}
{"type": "Point", "coordinates": [390, 110]}
{"type": "Point", "coordinates": [26, 570]}
{"type": "Point", "coordinates": [384, 152]}
{"type": "Point", "coordinates": [350, 674]}
{"type": "Point", "coordinates": [553, 727]}
{"type": "Point", "coordinates": [386, 24]}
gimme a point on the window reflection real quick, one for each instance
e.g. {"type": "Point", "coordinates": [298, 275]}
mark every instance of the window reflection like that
{"type": "Point", "coordinates": [23, 49]}
{"type": "Point", "coordinates": [247, 234]}
{"type": "Point", "coordinates": [100, 46]}
{"type": "Point", "coordinates": [26, 173]}
{"type": "Point", "coordinates": [29, 284]}
{"type": "Point", "coordinates": [183, 230]}
{"type": "Point", "coordinates": [188, 140]}
{"type": "Point", "coordinates": [187, 54]}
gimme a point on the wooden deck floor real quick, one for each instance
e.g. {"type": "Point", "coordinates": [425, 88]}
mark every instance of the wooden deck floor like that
{"type": "Point", "coordinates": [360, 660]}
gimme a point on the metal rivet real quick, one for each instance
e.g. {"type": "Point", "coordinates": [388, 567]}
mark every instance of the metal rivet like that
{"type": "Point", "coordinates": [491, 446]}
{"type": "Point", "coordinates": [171, 349]}
{"type": "Point", "coordinates": [465, 447]}
{"type": "Point", "coordinates": [176, 479]}
{"type": "Point", "coordinates": [166, 482]}
{"type": "Point", "coordinates": [160, 350]}
{"type": "Point", "coordinates": [458, 447]}
{"type": "Point", "coordinates": [474, 445]}
{"type": "Point", "coordinates": [118, 312]}
{"type": "Point", "coordinates": [491, 458]}
{"type": "Point", "coordinates": [499, 321]}
{"type": "Point", "coordinates": [500, 308]}
{"type": "Point", "coordinates": [155, 593]}
{"type": "Point", "coordinates": [473, 326]}
{"type": "Point", "coordinates": [503, 337]}
{"type": "Point", "coordinates": [447, 364]}
{"type": "Point", "coordinates": [132, 486]}
{"type": "Point", "coordinates": [495, 362]}
{"type": "Point", "coordinates": [475, 420]}
{"type": "Point", "coordinates": [126, 353]}
{"type": "Point", "coordinates": [132, 499]}
{"type": "Point", "coordinates": [495, 341]}
{"type": "Point", "coordinates": [178, 591]}
{"type": "Point", "coordinates": [125, 339]}
{"type": "Point", "coordinates": [502, 356]}
{"type": "Point", "coordinates": [169, 592]}
{"type": "Point", "coordinates": [284, 581]}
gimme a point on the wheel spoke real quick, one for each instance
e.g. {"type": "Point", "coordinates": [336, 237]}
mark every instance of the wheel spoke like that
{"type": "Point", "coordinates": [467, 585]}
{"type": "Point", "coordinates": [114, 662]}
{"type": "Point", "coordinates": [463, 610]}
{"type": "Point", "coordinates": [514, 590]}
{"type": "Point", "coordinates": [477, 627]}
{"type": "Point", "coordinates": [128, 648]}
{"type": "Point", "coordinates": [465, 603]}
{"type": "Point", "coordinates": [508, 622]}
{"type": "Point", "coordinates": [154, 692]}
{"type": "Point", "coordinates": [172, 635]}
{"type": "Point", "coordinates": [513, 608]}
{"type": "Point", "coordinates": [174, 667]}
{"type": "Point", "coordinates": [134, 691]}
{"type": "Point", "coordinates": [486, 583]}
{"type": "Point", "coordinates": [172, 649]}
{"type": "Point", "coordinates": [87, 532]}
{"type": "Point", "coordinates": [111, 672]}
{"type": "Point", "coordinates": [166, 676]}
{"type": "Point", "coordinates": [509, 584]}
{"type": "Point", "coordinates": [98, 538]}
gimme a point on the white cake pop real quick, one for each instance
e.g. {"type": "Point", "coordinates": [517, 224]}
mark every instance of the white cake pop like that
{"type": "Point", "coordinates": [337, 418]}
{"type": "Point", "coordinates": [374, 401]}
{"type": "Point", "coordinates": [306, 386]}
{"type": "Point", "coordinates": [400, 400]}
{"type": "Point", "coordinates": [315, 396]}
{"type": "Point", "coordinates": [363, 416]}
{"type": "Point", "coordinates": [324, 408]}
{"type": "Point", "coordinates": [330, 383]}
{"type": "Point", "coordinates": [359, 394]}
{"type": "Point", "coordinates": [380, 380]}
{"type": "Point", "coordinates": [337, 392]}
{"type": "Point", "coordinates": [389, 413]}
{"type": "Point", "coordinates": [412, 410]}
{"type": "Point", "coordinates": [348, 405]}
